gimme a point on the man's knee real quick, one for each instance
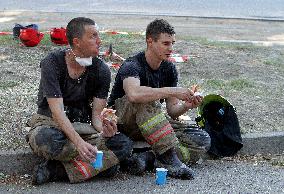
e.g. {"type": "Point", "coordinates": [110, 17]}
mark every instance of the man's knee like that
{"type": "Point", "coordinates": [205, 140]}
{"type": "Point", "coordinates": [47, 140]}
{"type": "Point", "coordinates": [120, 145]}
{"type": "Point", "coordinates": [196, 139]}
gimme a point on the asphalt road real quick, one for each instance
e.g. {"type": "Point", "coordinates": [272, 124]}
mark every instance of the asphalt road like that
{"type": "Point", "coordinates": [212, 177]}
{"type": "Point", "coordinates": [256, 9]}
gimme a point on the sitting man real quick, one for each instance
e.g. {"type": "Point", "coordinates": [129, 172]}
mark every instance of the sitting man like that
{"type": "Point", "coordinates": [68, 128]}
{"type": "Point", "coordinates": [140, 84]}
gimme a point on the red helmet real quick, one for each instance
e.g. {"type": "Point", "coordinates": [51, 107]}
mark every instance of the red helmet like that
{"type": "Point", "coordinates": [30, 37]}
{"type": "Point", "coordinates": [58, 36]}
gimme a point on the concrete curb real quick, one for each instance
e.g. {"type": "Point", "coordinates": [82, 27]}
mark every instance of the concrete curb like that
{"type": "Point", "coordinates": [23, 161]}
{"type": "Point", "coordinates": [263, 143]}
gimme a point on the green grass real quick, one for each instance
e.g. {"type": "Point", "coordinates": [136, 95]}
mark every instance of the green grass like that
{"type": "Point", "coordinates": [124, 45]}
{"type": "Point", "coordinates": [225, 85]}
{"type": "Point", "coordinates": [8, 84]}
{"type": "Point", "coordinates": [218, 44]}
{"type": "Point", "coordinates": [46, 41]}
{"type": "Point", "coordinates": [8, 40]}
{"type": "Point", "coordinates": [217, 84]}
{"type": "Point", "coordinates": [240, 84]}
{"type": "Point", "coordinates": [214, 84]}
{"type": "Point", "coordinates": [275, 62]}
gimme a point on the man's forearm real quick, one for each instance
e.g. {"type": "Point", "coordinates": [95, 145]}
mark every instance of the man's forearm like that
{"type": "Point", "coordinates": [177, 110]}
{"type": "Point", "coordinates": [97, 123]}
{"type": "Point", "coordinates": [66, 126]}
{"type": "Point", "coordinates": [145, 94]}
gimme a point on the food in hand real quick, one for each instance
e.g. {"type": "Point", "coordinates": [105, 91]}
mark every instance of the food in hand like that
{"type": "Point", "coordinates": [198, 94]}
{"type": "Point", "coordinates": [108, 114]}
{"type": "Point", "coordinates": [194, 88]}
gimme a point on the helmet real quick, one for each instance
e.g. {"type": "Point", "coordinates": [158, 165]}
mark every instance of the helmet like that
{"type": "Point", "coordinates": [211, 104]}
{"type": "Point", "coordinates": [219, 119]}
{"type": "Point", "coordinates": [58, 36]}
{"type": "Point", "coordinates": [30, 37]}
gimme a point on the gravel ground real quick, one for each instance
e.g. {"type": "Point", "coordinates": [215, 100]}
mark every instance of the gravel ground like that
{"type": "Point", "coordinates": [229, 175]}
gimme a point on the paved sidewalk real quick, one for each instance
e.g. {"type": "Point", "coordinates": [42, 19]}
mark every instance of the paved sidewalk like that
{"type": "Point", "coordinates": [212, 176]}
{"type": "Point", "coordinates": [22, 161]}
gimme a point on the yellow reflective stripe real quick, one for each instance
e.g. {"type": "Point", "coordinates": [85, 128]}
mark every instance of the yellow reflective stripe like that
{"type": "Point", "coordinates": [160, 131]}
{"type": "Point", "coordinates": [152, 122]}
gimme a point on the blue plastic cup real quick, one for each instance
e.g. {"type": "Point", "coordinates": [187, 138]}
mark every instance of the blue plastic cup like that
{"type": "Point", "coordinates": [99, 160]}
{"type": "Point", "coordinates": [161, 176]}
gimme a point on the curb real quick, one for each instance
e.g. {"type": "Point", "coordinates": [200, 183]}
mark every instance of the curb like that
{"type": "Point", "coordinates": [263, 143]}
{"type": "Point", "coordinates": [23, 161]}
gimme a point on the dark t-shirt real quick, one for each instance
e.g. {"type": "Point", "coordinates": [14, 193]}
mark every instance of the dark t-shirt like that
{"type": "Point", "coordinates": [137, 66]}
{"type": "Point", "coordinates": [78, 93]}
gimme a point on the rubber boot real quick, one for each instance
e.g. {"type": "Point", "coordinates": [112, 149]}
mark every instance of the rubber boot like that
{"type": "Point", "coordinates": [175, 167]}
{"type": "Point", "coordinates": [49, 171]}
{"type": "Point", "coordinates": [138, 163]}
{"type": "Point", "coordinates": [111, 172]}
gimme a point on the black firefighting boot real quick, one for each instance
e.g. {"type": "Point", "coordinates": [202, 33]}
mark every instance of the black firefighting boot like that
{"type": "Point", "coordinates": [48, 171]}
{"type": "Point", "coordinates": [138, 163]}
{"type": "Point", "coordinates": [175, 167]}
{"type": "Point", "coordinates": [111, 172]}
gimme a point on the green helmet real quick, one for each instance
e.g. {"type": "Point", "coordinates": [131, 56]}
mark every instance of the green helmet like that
{"type": "Point", "coordinates": [210, 100]}
{"type": "Point", "coordinates": [219, 119]}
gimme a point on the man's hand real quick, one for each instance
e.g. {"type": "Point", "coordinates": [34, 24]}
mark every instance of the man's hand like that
{"type": "Point", "coordinates": [86, 151]}
{"type": "Point", "coordinates": [194, 102]}
{"type": "Point", "coordinates": [184, 94]}
{"type": "Point", "coordinates": [109, 128]}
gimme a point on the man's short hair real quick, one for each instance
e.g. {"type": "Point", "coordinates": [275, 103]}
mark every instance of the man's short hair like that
{"type": "Point", "coordinates": [76, 28]}
{"type": "Point", "coordinates": [158, 26]}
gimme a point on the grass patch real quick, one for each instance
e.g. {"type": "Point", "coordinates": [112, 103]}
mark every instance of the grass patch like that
{"type": "Point", "coordinates": [237, 84]}
{"type": "Point", "coordinates": [8, 40]}
{"type": "Point", "coordinates": [46, 41]}
{"type": "Point", "coordinates": [8, 84]}
{"type": "Point", "coordinates": [124, 45]}
{"type": "Point", "coordinates": [214, 84]}
{"type": "Point", "coordinates": [275, 62]}
{"type": "Point", "coordinates": [240, 84]}
{"type": "Point", "coordinates": [218, 44]}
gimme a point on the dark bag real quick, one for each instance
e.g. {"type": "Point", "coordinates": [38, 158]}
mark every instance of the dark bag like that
{"type": "Point", "coordinates": [17, 29]}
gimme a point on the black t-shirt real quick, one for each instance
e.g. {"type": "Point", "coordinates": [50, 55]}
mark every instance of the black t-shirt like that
{"type": "Point", "coordinates": [137, 66]}
{"type": "Point", "coordinates": [78, 93]}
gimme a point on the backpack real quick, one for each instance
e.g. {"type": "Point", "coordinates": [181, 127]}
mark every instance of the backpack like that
{"type": "Point", "coordinates": [219, 119]}
{"type": "Point", "coordinates": [17, 28]}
